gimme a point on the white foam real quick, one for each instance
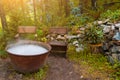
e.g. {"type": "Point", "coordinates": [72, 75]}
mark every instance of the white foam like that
{"type": "Point", "coordinates": [27, 49]}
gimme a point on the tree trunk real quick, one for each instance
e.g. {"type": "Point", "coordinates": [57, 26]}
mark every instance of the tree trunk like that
{"type": "Point", "coordinates": [23, 8]}
{"type": "Point", "coordinates": [60, 7]}
{"type": "Point", "coordinates": [67, 8]}
{"type": "Point", "coordinates": [34, 7]}
{"type": "Point", "coordinates": [3, 18]}
{"type": "Point", "coordinates": [81, 7]}
{"type": "Point", "coordinates": [93, 4]}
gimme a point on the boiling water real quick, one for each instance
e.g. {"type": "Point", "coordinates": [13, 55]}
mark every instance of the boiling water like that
{"type": "Point", "coordinates": [28, 49]}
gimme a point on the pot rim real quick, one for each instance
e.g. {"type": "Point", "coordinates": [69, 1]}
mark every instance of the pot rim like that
{"type": "Point", "coordinates": [45, 45]}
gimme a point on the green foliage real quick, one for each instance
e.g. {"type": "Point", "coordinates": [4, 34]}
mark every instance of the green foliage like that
{"type": "Point", "coordinates": [2, 45]}
{"type": "Point", "coordinates": [95, 61]}
{"type": "Point", "coordinates": [41, 34]}
{"type": "Point", "coordinates": [116, 68]}
{"type": "Point", "coordinates": [113, 15]}
{"type": "Point", "coordinates": [78, 20]}
{"type": "Point", "coordinates": [93, 34]}
{"type": "Point", "coordinates": [40, 75]}
{"type": "Point", "coordinates": [3, 54]}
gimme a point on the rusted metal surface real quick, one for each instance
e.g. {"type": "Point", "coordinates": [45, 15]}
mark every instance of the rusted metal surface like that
{"type": "Point", "coordinates": [25, 64]}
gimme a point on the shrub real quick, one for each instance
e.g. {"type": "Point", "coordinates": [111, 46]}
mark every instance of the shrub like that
{"type": "Point", "coordinates": [113, 15]}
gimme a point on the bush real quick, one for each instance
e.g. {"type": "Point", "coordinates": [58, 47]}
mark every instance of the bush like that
{"type": "Point", "coordinates": [93, 34]}
{"type": "Point", "coordinates": [112, 15]}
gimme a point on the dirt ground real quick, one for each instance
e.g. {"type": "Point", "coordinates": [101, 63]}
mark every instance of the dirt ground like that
{"type": "Point", "coordinates": [59, 69]}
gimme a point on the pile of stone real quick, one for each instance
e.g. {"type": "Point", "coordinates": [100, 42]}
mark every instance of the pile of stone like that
{"type": "Point", "coordinates": [111, 45]}
{"type": "Point", "coordinates": [70, 38]}
{"type": "Point", "coordinates": [77, 39]}
{"type": "Point", "coordinates": [56, 37]}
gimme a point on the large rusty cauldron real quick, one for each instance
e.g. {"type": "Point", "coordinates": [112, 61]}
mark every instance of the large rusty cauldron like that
{"type": "Point", "coordinates": [28, 63]}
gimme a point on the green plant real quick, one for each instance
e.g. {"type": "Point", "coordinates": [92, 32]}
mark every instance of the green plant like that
{"type": "Point", "coordinates": [93, 34]}
{"type": "Point", "coordinates": [116, 68]}
{"type": "Point", "coordinates": [40, 75]}
{"type": "Point", "coordinates": [3, 54]}
{"type": "Point", "coordinates": [91, 65]}
{"type": "Point", "coordinates": [113, 15]}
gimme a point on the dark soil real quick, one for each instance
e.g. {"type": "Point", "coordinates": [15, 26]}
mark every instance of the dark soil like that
{"type": "Point", "coordinates": [59, 69]}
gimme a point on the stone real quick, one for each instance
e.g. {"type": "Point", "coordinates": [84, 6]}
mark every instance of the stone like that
{"type": "Point", "coordinates": [51, 38]}
{"type": "Point", "coordinates": [105, 46]}
{"type": "Point", "coordinates": [107, 29]}
{"type": "Point", "coordinates": [119, 29]}
{"type": "Point", "coordinates": [110, 59]}
{"type": "Point", "coordinates": [115, 56]}
{"type": "Point", "coordinates": [65, 36]}
{"type": "Point", "coordinates": [109, 23]}
{"type": "Point", "coordinates": [78, 35]}
{"type": "Point", "coordinates": [82, 29]}
{"type": "Point", "coordinates": [36, 35]}
{"type": "Point", "coordinates": [17, 35]}
{"type": "Point", "coordinates": [117, 36]}
{"type": "Point", "coordinates": [113, 49]}
{"type": "Point", "coordinates": [48, 36]}
{"type": "Point", "coordinates": [118, 57]}
{"type": "Point", "coordinates": [76, 45]}
{"type": "Point", "coordinates": [107, 20]}
{"type": "Point", "coordinates": [111, 33]}
{"type": "Point", "coordinates": [75, 42]}
{"type": "Point", "coordinates": [118, 48]}
{"type": "Point", "coordinates": [81, 76]}
{"type": "Point", "coordinates": [53, 35]}
{"type": "Point", "coordinates": [71, 37]}
{"type": "Point", "coordinates": [112, 27]}
{"type": "Point", "coordinates": [79, 49]}
{"type": "Point", "coordinates": [58, 37]}
{"type": "Point", "coordinates": [107, 53]}
{"type": "Point", "coordinates": [117, 25]}
{"type": "Point", "coordinates": [100, 22]}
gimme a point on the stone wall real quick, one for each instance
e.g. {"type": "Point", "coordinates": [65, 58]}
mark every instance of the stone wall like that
{"type": "Point", "coordinates": [111, 45]}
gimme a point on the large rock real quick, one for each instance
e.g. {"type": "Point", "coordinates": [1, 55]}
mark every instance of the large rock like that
{"type": "Point", "coordinates": [115, 56]}
{"type": "Point", "coordinates": [106, 29]}
{"type": "Point", "coordinates": [72, 37]}
{"type": "Point", "coordinates": [117, 25]}
{"type": "Point", "coordinates": [117, 36]}
{"type": "Point", "coordinates": [106, 46]}
{"type": "Point", "coordinates": [113, 49]}
{"type": "Point", "coordinates": [75, 42]}
{"type": "Point", "coordinates": [119, 57]}
{"type": "Point", "coordinates": [112, 27]}
{"type": "Point", "coordinates": [118, 49]}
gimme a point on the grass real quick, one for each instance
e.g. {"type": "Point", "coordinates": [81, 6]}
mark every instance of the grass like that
{"type": "Point", "coordinates": [40, 75]}
{"type": "Point", "coordinates": [3, 54]}
{"type": "Point", "coordinates": [90, 65]}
